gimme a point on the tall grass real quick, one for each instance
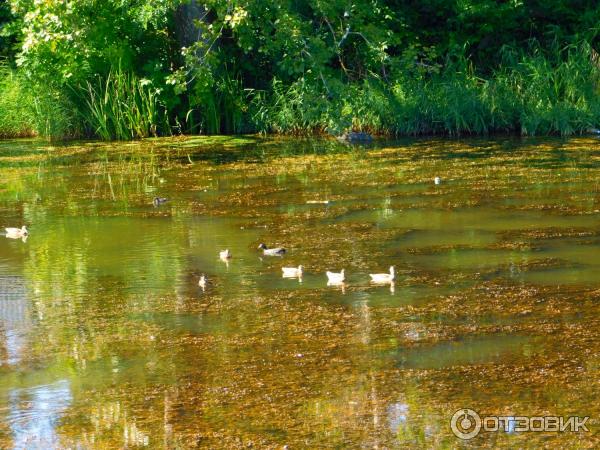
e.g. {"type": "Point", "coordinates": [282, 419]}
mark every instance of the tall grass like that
{"type": "Point", "coordinates": [29, 110]}
{"type": "Point", "coordinates": [296, 109]}
{"type": "Point", "coordinates": [218, 106]}
{"type": "Point", "coordinates": [533, 92]}
{"type": "Point", "coordinates": [555, 95]}
{"type": "Point", "coordinates": [16, 114]}
{"type": "Point", "coordinates": [122, 107]}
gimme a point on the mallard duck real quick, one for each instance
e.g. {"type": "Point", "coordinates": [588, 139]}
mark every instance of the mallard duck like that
{"type": "Point", "coordinates": [159, 201]}
{"type": "Point", "coordinates": [383, 277]}
{"type": "Point", "coordinates": [292, 272]}
{"type": "Point", "coordinates": [335, 278]}
{"type": "Point", "coordinates": [17, 232]}
{"type": "Point", "coordinates": [225, 254]}
{"type": "Point", "coordinates": [278, 251]}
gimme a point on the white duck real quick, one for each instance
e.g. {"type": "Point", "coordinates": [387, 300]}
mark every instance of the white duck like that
{"type": "Point", "coordinates": [335, 278]}
{"type": "Point", "coordinates": [383, 277]}
{"type": "Point", "coordinates": [225, 254]}
{"type": "Point", "coordinates": [16, 232]}
{"type": "Point", "coordinates": [202, 281]}
{"type": "Point", "coordinates": [292, 272]}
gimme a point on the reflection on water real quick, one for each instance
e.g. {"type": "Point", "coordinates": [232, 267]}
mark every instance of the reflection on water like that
{"type": "Point", "coordinates": [15, 319]}
{"type": "Point", "coordinates": [397, 415]}
{"type": "Point", "coordinates": [107, 341]}
{"type": "Point", "coordinates": [468, 351]}
{"type": "Point", "coordinates": [33, 414]}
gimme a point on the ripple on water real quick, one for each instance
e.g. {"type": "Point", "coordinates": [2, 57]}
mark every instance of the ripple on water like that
{"type": "Point", "coordinates": [34, 413]}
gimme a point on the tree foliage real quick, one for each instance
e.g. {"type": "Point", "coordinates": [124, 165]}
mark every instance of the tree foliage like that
{"type": "Point", "coordinates": [248, 53]}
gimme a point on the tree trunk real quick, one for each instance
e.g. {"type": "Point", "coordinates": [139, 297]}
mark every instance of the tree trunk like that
{"type": "Point", "coordinates": [186, 18]}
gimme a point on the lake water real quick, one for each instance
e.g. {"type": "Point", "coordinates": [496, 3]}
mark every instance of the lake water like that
{"type": "Point", "coordinates": [107, 341]}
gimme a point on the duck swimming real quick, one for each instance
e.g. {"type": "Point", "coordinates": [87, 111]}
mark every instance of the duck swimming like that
{"type": "Point", "coordinates": [157, 201]}
{"type": "Point", "coordinates": [335, 278]}
{"type": "Point", "coordinates": [292, 272]}
{"type": "Point", "coordinates": [383, 277]}
{"type": "Point", "coordinates": [278, 251]}
{"type": "Point", "coordinates": [16, 232]}
{"type": "Point", "coordinates": [202, 281]}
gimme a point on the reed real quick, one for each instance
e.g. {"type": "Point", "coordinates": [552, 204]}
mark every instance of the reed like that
{"type": "Point", "coordinates": [122, 107]}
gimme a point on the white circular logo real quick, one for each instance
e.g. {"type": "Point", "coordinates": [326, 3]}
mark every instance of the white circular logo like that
{"type": "Point", "coordinates": [465, 424]}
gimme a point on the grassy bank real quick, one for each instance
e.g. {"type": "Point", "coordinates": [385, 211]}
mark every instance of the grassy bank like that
{"type": "Point", "coordinates": [532, 94]}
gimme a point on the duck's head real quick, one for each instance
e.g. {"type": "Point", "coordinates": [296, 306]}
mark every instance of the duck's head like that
{"type": "Point", "coordinates": [392, 270]}
{"type": "Point", "coordinates": [300, 268]}
{"type": "Point", "coordinates": [263, 246]}
{"type": "Point", "coordinates": [24, 230]}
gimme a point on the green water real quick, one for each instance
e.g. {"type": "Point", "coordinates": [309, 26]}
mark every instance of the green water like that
{"type": "Point", "coordinates": [107, 341]}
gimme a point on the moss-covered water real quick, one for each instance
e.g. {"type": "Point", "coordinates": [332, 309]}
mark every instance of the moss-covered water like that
{"type": "Point", "coordinates": [107, 341]}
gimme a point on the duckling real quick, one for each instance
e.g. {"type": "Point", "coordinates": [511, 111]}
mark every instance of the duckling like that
{"type": "Point", "coordinates": [383, 277]}
{"type": "Point", "coordinates": [16, 232]}
{"type": "Point", "coordinates": [292, 272]}
{"type": "Point", "coordinates": [159, 201]}
{"type": "Point", "coordinates": [278, 251]}
{"type": "Point", "coordinates": [225, 254]}
{"type": "Point", "coordinates": [335, 278]}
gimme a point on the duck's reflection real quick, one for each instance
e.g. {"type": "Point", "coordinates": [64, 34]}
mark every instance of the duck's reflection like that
{"type": "Point", "coordinates": [340, 285]}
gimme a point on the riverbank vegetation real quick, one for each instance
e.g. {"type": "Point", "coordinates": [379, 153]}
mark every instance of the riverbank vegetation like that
{"type": "Point", "coordinates": [126, 69]}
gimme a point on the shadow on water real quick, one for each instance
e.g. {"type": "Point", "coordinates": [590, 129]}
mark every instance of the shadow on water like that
{"type": "Point", "coordinates": [467, 351]}
{"type": "Point", "coordinates": [185, 323]}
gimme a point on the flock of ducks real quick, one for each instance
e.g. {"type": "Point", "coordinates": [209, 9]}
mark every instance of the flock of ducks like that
{"type": "Point", "coordinates": [333, 278]}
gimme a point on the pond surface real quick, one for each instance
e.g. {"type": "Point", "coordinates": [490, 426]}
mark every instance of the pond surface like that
{"type": "Point", "coordinates": [107, 341]}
